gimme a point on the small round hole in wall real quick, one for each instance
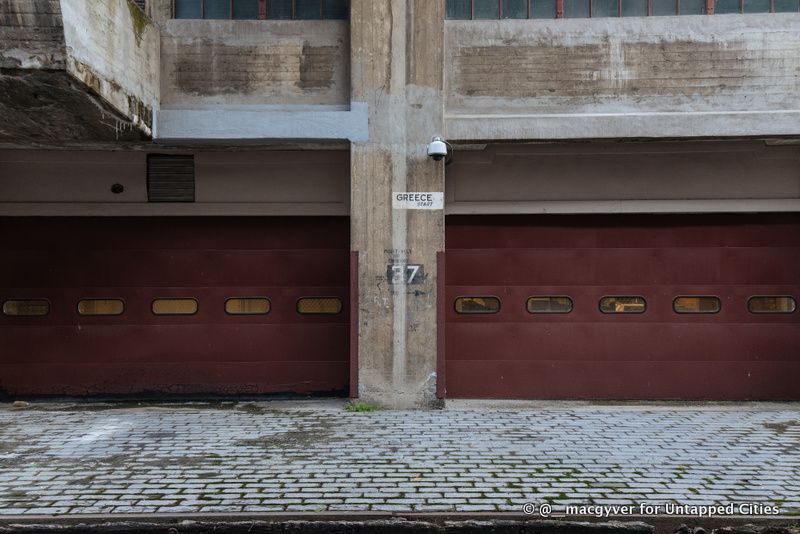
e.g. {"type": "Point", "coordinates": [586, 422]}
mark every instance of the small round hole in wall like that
{"type": "Point", "coordinates": [117, 189]}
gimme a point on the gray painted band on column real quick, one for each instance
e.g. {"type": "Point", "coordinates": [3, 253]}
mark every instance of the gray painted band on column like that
{"type": "Point", "coordinates": [260, 123]}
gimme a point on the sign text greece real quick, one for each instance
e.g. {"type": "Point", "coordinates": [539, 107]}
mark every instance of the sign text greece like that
{"type": "Point", "coordinates": [417, 201]}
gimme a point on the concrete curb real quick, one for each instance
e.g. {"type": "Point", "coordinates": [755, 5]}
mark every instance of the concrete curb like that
{"type": "Point", "coordinates": [382, 523]}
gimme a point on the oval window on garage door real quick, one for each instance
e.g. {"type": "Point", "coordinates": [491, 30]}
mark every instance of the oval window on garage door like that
{"type": "Point", "coordinates": [319, 306]}
{"type": "Point", "coordinates": [247, 306]}
{"type": "Point", "coordinates": [549, 305]}
{"type": "Point", "coordinates": [623, 305]}
{"type": "Point", "coordinates": [696, 305]}
{"type": "Point", "coordinates": [172, 306]}
{"type": "Point", "coordinates": [101, 307]}
{"type": "Point", "coordinates": [468, 305]}
{"type": "Point", "coordinates": [771, 304]}
{"type": "Point", "coordinates": [26, 308]}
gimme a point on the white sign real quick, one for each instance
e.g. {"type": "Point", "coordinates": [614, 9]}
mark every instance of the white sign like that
{"type": "Point", "coordinates": [417, 201]}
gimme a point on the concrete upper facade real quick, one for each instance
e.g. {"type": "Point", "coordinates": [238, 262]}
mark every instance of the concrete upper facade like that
{"type": "Point", "coordinates": [622, 77]}
{"type": "Point", "coordinates": [687, 76]}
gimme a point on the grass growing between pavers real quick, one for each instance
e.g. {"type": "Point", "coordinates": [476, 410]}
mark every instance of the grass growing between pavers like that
{"type": "Point", "coordinates": [358, 406]}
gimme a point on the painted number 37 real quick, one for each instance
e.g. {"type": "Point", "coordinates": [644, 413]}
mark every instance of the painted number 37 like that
{"type": "Point", "coordinates": [408, 273]}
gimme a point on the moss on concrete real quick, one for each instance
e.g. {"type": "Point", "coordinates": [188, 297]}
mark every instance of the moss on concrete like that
{"type": "Point", "coordinates": [139, 20]}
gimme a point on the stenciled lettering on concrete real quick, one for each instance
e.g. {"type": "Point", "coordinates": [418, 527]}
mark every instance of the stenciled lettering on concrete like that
{"type": "Point", "coordinates": [417, 201]}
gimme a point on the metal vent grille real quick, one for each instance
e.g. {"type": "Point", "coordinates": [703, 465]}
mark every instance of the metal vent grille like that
{"type": "Point", "coordinates": [170, 178]}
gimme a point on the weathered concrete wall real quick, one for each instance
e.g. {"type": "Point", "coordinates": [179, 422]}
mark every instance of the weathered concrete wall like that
{"type": "Point", "coordinates": [31, 35]}
{"type": "Point", "coordinates": [41, 105]}
{"type": "Point", "coordinates": [585, 71]}
{"type": "Point", "coordinates": [397, 71]}
{"type": "Point", "coordinates": [207, 63]}
{"type": "Point", "coordinates": [114, 49]}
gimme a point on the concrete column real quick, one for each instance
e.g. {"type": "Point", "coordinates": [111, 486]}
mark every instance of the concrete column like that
{"type": "Point", "coordinates": [396, 66]}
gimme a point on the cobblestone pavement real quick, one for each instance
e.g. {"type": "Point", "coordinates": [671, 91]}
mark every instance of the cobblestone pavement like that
{"type": "Point", "coordinates": [301, 457]}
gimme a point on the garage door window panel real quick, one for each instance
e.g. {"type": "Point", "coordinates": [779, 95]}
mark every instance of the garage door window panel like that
{"type": "Point", "coordinates": [696, 304]}
{"type": "Point", "coordinates": [247, 306]}
{"type": "Point", "coordinates": [477, 305]}
{"type": "Point", "coordinates": [319, 306]}
{"type": "Point", "coordinates": [26, 308]}
{"type": "Point", "coordinates": [623, 305]}
{"type": "Point", "coordinates": [558, 304]}
{"type": "Point", "coordinates": [771, 304]}
{"type": "Point", "coordinates": [174, 306]}
{"type": "Point", "coordinates": [101, 307]}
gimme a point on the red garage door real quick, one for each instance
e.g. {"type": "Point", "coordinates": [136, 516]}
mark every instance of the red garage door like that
{"type": "Point", "coordinates": [95, 306]}
{"type": "Point", "coordinates": [623, 307]}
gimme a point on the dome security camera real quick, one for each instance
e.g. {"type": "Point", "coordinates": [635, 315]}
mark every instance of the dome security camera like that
{"type": "Point", "coordinates": [437, 149]}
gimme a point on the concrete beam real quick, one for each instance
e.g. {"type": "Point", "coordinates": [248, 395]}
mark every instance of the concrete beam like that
{"type": "Point", "coordinates": [221, 123]}
{"type": "Point", "coordinates": [49, 108]}
{"type": "Point", "coordinates": [621, 125]}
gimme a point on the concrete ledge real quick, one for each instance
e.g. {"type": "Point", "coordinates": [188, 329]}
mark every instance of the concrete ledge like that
{"type": "Point", "coordinates": [262, 123]}
{"type": "Point", "coordinates": [621, 125]}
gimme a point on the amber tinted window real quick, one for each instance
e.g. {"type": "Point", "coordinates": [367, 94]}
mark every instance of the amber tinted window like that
{"type": "Point", "coordinates": [247, 306]}
{"type": "Point", "coordinates": [319, 305]}
{"type": "Point", "coordinates": [696, 305]}
{"type": "Point", "coordinates": [101, 307]}
{"type": "Point", "coordinates": [549, 305]}
{"type": "Point", "coordinates": [26, 308]}
{"type": "Point", "coordinates": [174, 306]}
{"type": "Point", "coordinates": [477, 305]}
{"type": "Point", "coordinates": [777, 304]}
{"type": "Point", "coordinates": [623, 305]}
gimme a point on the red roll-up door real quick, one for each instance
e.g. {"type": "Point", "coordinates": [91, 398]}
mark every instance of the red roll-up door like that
{"type": "Point", "coordinates": [716, 263]}
{"type": "Point", "coordinates": [186, 305]}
